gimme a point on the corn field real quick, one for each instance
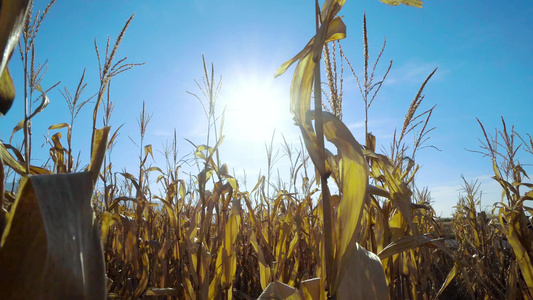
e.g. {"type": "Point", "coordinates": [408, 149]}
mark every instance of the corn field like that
{"type": "Point", "coordinates": [349, 224]}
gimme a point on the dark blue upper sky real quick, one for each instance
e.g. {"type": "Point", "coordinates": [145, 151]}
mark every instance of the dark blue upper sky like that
{"type": "Point", "coordinates": [483, 52]}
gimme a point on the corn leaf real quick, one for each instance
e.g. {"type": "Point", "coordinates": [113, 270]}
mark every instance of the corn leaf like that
{"type": "Point", "coordinates": [58, 126]}
{"type": "Point", "coordinates": [12, 16]}
{"type": "Point", "coordinates": [264, 269]}
{"type": "Point", "coordinates": [364, 277]}
{"type": "Point", "coordinates": [7, 91]}
{"type": "Point", "coordinates": [99, 149]}
{"type": "Point", "coordinates": [354, 172]}
{"type": "Point", "coordinates": [414, 3]}
{"type": "Point", "coordinates": [449, 279]}
{"type": "Point", "coordinates": [406, 243]}
{"type": "Point", "coordinates": [51, 245]}
{"type": "Point", "coordinates": [312, 290]}
{"type": "Point", "coordinates": [279, 290]}
{"type": "Point", "coordinates": [523, 257]}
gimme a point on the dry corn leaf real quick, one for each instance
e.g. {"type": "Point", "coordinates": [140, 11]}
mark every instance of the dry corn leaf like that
{"type": "Point", "coordinates": [7, 91]}
{"type": "Point", "coordinates": [279, 290]}
{"type": "Point", "coordinates": [414, 3]}
{"type": "Point", "coordinates": [51, 245]}
{"type": "Point", "coordinates": [44, 103]}
{"type": "Point", "coordinates": [143, 282]}
{"type": "Point", "coordinates": [331, 28]}
{"type": "Point", "coordinates": [512, 281]}
{"type": "Point", "coordinates": [364, 277]}
{"type": "Point", "coordinates": [161, 292]}
{"type": "Point", "coordinates": [406, 243]}
{"type": "Point", "coordinates": [449, 278]}
{"type": "Point", "coordinates": [312, 290]}
{"type": "Point", "coordinates": [523, 256]}
{"type": "Point", "coordinates": [354, 172]}
{"type": "Point", "coordinates": [12, 16]}
{"type": "Point", "coordinates": [264, 268]}
{"type": "Point", "coordinates": [99, 149]}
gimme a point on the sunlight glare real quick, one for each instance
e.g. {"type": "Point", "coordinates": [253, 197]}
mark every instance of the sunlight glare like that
{"type": "Point", "coordinates": [255, 109]}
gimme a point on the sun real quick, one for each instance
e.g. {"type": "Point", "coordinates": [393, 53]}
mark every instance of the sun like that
{"type": "Point", "coordinates": [256, 107]}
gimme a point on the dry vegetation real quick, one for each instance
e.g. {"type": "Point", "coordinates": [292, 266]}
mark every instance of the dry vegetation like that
{"type": "Point", "coordinates": [203, 237]}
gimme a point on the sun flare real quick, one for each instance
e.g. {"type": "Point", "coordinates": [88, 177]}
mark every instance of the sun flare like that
{"type": "Point", "coordinates": [255, 108]}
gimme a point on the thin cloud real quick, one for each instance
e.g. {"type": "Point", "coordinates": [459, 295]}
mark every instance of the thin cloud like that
{"type": "Point", "coordinates": [445, 197]}
{"type": "Point", "coordinates": [414, 72]}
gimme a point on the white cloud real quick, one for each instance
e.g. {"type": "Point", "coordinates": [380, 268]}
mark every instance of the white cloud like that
{"type": "Point", "coordinates": [445, 197]}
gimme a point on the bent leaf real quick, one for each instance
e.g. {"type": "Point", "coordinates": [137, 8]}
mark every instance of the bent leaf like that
{"type": "Point", "coordinates": [279, 290]}
{"type": "Point", "coordinates": [51, 246]}
{"type": "Point", "coordinates": [406, 243]}
{"type": "Point", "coordinates": [364, 277]}
{"type": "Point", "coordinates": [7, 91]}
{"type": "Point", "coordinates": [99, 148]}
{"type": "Point", "coordinates": [355, 182]}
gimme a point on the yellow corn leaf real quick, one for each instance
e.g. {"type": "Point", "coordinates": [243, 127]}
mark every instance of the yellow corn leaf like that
{"type": "Point", "coordinates": [44, 103]}
{"type": "Point", "coordinates": [301, 86]}
{"type": "Point", "coordinates": [293, 244]}
{"type": "Point", "coordinates": [161, 292]}
{"type": "Point", "coordinates": [7, 91]}
{"type": "Point", "coordinates": [99, 149]}
{"type": "Point", "coordinates": [148, 150]}
{"type": "Point", "coordinates": [182, 190]}
{"type": "Point", "coordinates": [254, 222]}
{"type": "Point", "coordinates": [17, 166]}
{"type": "Point", "coordinates": [279, 290]}
{"type": "Point", "coordinates": [51, 246]}
{"type": "Point", "coordinates": [214, 285]}
{"type": "Point", "coordinates": [312, 290]}
{"type": "Point", "coordinates": [108, 220]}
{"type": "Point", "coordinates": [397, 226]}
{"type": "Point", "coordinates": [12, 16]}
{"type": "Point", "coordinates": [522, 256]}
{"type": "Point", "coordinates": [354, 172]}
{"type": "Point", "coordinates": [512, 281]}
{"type": "Point", "coordinates": [58, 126]}
{"type": "Point", "coordinates": [143, 282]}
{"type": "Point", "coordinates": [449, 279]}
{"type": "Point", "coordinates": [414, 3]}
{"type": "Point", "coordinates": [189, 289]}
{"type": "Point", "coordinates": [293, 276]}
{"type": "Point", "coordinates": [228, 260]}
{"type": "Point", "coordinates": [329, 11]}
{"type": "Point", "coordinates": [10, 161]}
{"type": "Point", "coordinates": [163, 251]}
{"type": "Point", "coordinates": [264, 269]}
{"type": "Point", "coordinates": [364, 277]}
{"type": "Point", "coordinates": [406, 243]}
{"type": "Point", "coordinates": [336, 31]}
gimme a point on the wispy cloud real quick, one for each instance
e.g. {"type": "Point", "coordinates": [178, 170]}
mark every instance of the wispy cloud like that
{"type": "Point", "coordinates": [414, 72]}
{"type": "Point", "coordinates": [445, 197]}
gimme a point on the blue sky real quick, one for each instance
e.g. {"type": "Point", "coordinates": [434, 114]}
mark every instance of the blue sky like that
{"type": "Point", "coordinates": [482, 51]}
